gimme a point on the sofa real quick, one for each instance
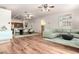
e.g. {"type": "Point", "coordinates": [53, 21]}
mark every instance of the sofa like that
{"type": "Point", "coordinates": [55, 36]}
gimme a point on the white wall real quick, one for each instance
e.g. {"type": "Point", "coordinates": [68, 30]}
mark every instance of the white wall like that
{"type": "Point", "coordinates": [52, 20]}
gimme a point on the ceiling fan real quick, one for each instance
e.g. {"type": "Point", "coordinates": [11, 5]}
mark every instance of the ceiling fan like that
{"type": "Point", "coordinates": [45, 7]}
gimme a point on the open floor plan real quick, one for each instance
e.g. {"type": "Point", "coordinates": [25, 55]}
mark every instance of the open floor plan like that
{"type": "Point", "coordinates": [39, 29]}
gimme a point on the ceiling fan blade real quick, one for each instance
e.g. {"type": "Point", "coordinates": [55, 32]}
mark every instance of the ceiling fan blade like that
{"type": "Point", "coordinates": [3, 7]}
{"type": "Point", "coordinates": [51, 6]}
{"type": "Point", "coordinates": [39, 7]}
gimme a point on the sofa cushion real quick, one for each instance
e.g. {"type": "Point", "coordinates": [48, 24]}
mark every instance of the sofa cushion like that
{"type": "Point", "coordinates": [50, 35]}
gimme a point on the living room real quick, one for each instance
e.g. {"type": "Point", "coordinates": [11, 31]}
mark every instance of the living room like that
{"type": "Point", "coordinates": [31, 28]}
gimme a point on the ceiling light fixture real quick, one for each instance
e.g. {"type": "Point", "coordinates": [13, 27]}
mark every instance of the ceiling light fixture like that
{"type": "Point", "coordinates": [27, 15]}
{"type": "Point", "coordinates": [45, 7]}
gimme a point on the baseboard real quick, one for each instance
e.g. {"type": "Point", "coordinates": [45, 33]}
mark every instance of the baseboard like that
{"type": "Point", "coordinates": [4, 41]}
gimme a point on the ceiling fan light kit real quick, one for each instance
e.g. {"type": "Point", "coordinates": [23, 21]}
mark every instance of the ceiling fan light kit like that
{"type": "Point", "coordinates": [28, 15]}
{"type": "Point", "coordinates": [45, 7]}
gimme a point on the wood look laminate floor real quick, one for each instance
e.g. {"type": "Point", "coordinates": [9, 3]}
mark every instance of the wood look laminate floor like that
{"type": "Point", "coordinates": [35, 45]}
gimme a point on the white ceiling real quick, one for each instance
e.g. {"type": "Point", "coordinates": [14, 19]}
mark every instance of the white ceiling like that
{"type": "Point", "coordinates": [19, 9]}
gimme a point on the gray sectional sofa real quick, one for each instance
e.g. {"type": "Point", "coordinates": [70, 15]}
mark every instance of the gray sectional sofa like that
{"type": "Point", "coordinates": [54, 36]}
